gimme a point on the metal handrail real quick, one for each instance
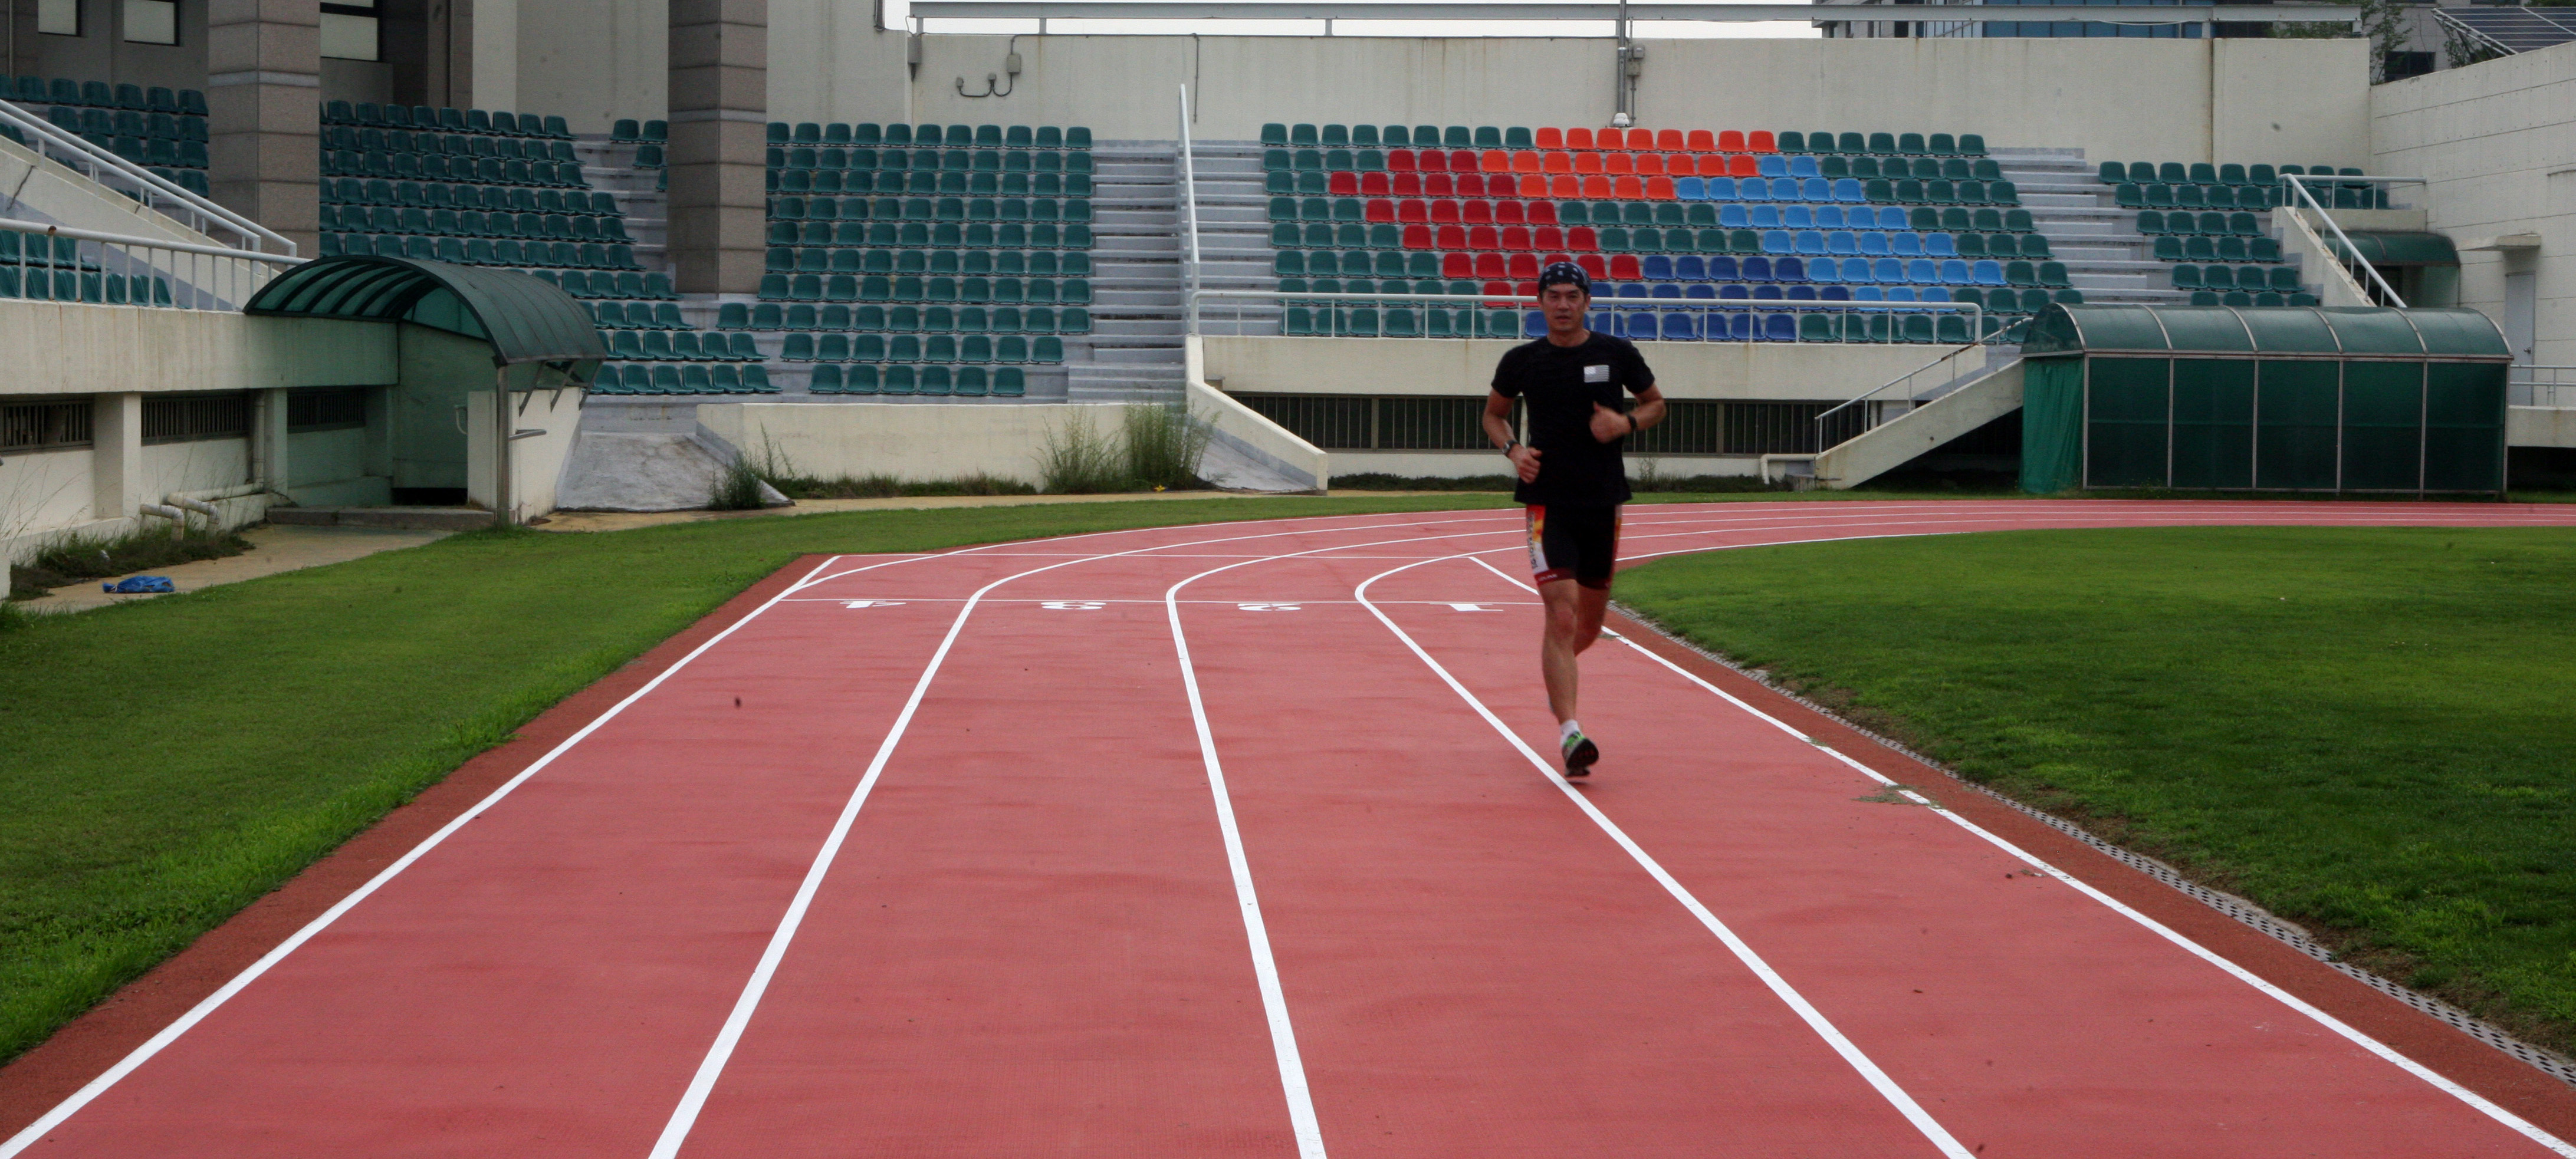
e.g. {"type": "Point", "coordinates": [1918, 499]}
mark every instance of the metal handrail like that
{"type": "Point", "coordinates": [1189, 194]}
{"type": "Point", "coordinates": [1975, 311]}
{"type": "Point", "coordinates": [143, 271]}
{"type": "Point", "coordinates": [2454, 24]}
{"type": "Point", "coordinates": [101, 162]}
{"type": "Point", "coordinates": [2529, 377]}
{"type": "Point", "coordinates": [1873, 392]}
{"type": "Point", "coordinates": [2298, 184]}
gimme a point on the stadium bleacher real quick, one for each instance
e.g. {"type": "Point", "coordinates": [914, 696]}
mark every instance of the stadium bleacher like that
{"type": "Point", "coordinates": [930, 259]}
{"type": "Point", "coordinates": [161, 129]}
{"type": "Point", "coordinates": [2201, 185]}
{"type": "Point", "coordinates": [1700, 218]}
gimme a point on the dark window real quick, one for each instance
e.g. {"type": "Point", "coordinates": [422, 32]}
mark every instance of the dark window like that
{"type": "Point", "coordinates": [152, 21]}
{"type": "Point", "coordinates": [1689, 428]}
{"type": "Point", "coordinates": [1330, 421]}
{"type": "Point", "coordinates": [45, 426]}
{"type": "Point", "coordinates": [1431, 424]}
{"type": "Point", "coordinates": [1774, 428]}
{"type": "Point", "coordinates": [2400, 65]}
{"type": "Point", "coordinates": [351, 31]}
{"type": "Point", "coordinates": [204, 416]}
{"type": "Point", "coordinates": [327, 410]}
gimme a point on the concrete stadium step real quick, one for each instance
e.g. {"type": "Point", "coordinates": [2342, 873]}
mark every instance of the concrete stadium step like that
{"type": "Point", "coordinates": [399, 518]}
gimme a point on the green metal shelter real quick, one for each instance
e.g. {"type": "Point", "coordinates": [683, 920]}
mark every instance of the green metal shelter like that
{"type": "Point", "coordinates": [2273, 398]}
{"type": "Point", "coordinates": [525, 319]}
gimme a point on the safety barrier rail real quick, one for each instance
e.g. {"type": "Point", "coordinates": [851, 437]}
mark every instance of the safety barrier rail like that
{"type": "Point", "coordinates": [63, 264]}
{"type": "Point", "coordinates": [151, 189]}
{"type": "Point", "coordinates": [2303, 197]}
{"type": "Point", "coordinates": [1361, 314]}
{"type": "Point", "coordinates": [2527, 385]}
{"type": "Point", "coordinates": [1864, 412]}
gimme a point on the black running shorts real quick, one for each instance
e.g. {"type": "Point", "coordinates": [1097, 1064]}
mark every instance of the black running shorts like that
{"type": "Point", "coordinates": [1576, 543]}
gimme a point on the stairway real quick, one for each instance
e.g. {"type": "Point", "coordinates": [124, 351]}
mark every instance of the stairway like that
{"type": "Point", "coordinates": [2105, 255]}
{"type": "Point", "coordinates": [1134, 352]}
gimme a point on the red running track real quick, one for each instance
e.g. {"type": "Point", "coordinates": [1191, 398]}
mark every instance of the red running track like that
{"type": "Point", "coordinates": [1238, 839]}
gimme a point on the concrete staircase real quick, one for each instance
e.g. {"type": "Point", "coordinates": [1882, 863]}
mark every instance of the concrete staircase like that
{"type": "Point", "coordinates": [2105, 255]}
{"type": "Point", "coordinates": [1134, 353]}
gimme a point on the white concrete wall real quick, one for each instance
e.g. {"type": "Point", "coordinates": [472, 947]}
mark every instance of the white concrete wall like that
{"type": "Point", "coordinates": [913, 441]}
{"type": "Point", "coordinates": [2498, 141]}
{"type": "Point", "coordinates": [2181, 100]}
{"type": "Point", "coordinates": [1770, 371]}
{"type": "Point", "coordinates": [536, 461]}
{"type": "Point", "coordinates": [195, 465]}
{"type": "Point", "coordinates": [70, 348]}
{"type": "Point", "coordinates": [41, 491]}
{"type": "Point", "coordinates": [588, 61]}
{"type": "Point", "coordinates": [496, 53]}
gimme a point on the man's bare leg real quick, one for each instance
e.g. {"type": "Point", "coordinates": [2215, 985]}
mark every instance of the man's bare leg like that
{"type": "Point", "coordinates": [1573, 622]}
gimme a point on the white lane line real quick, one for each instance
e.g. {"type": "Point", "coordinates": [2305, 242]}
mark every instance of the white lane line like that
{"type": "Point", "coordinates": [684, 1115]}
{"type": "Point", "coordinates": [1887, 1088]}
{"type": "Point", "coordinates": [2294, 1002]}
{"type": "Point", "coordinates": [98, 1086]}
{"type": "Point", "coordinates": [1274, 1001]}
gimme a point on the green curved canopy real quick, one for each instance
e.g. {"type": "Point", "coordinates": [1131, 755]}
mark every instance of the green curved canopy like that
{"type": "Point", "coordinates": [2450, 335]}
{"type": "Point", "coordinates": [525, 319]}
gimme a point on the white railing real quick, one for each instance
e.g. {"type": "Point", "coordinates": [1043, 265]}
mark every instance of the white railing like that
{"type": "Point", "coordinates": [2302, 196]}
{"type": "Point", "coordinates": [1868, 409]}
{"type": "Point", "coordinates": [2527, 385]}
{"type": "Point", "coordinates": [1186, 179]}
{"type": "Point", "coordinates": [106, 168]}
{"type": "Point", "coordinates": [1877, 323]}
{"type": "Point", "coordinates": [63, 264]}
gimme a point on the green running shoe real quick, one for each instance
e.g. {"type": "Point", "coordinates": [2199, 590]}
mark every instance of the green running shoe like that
{"type": "Point", "coordinates": [1580, 752]}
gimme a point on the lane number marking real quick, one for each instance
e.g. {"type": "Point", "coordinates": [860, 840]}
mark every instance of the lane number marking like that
{"type": "Point", "coordinates": [872, 603]}
{"type": "Point", "coordinates": [1074, 605]}
{"type": "Point", "coordinates": [1472, 608]}
{"type": "Point", "coordinates": [1268, 607]}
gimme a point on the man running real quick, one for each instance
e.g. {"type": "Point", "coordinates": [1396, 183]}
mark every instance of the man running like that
{"type": "Point", "coordinates": [1571, 477]}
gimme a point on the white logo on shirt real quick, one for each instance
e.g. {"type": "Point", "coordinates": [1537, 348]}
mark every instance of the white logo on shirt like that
{"type": "Point", "coordinates": [1599, 373]}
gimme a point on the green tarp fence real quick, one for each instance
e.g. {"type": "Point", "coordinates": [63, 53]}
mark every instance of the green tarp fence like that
{"type": "Point", "coordinates": [2281, 398]}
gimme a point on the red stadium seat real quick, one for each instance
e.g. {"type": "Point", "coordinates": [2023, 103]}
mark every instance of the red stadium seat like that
{"type": "Point", "coordinates": [1525, 162]}
{"type": "Point", "coordinates": [1712, 164]}
{"type": "Point", "coordinates": [1509, 213]}
{"type": "Point", "coordinates": [1640, 139]}
{"type": "Point", "coordinates": [1702, 141]}
{"type": "Point", "coordinates": [1375, 185]}
{"type": "Point", "coordinates": [1483, 237]}
{"type": "Point", "coordinates": [1439, 185]}
{"type": "Point", "coordinates": [1623, 268]}
{"type": "Point", "coordinates": [1343, 185]}
{"type": "Point", "coordinates": [1499, 288]}
{"type": "Point", "coordinates": [1433, 161]}
{"type": "Point", "coordinates": [1547, 237]}
{"type": "Point", "coordinates": [1462, 161]}
{"type": "Point", "coordinates": [1669, 140]}
{"type": "Point", "coordinates": [1627, 189]}
{"type": "Point", "coordinates": [1542, 213]}
{"type": "Point", "coordinates": [1527, 289]}
{"type": "Point", "coordinates": [1593, 265]}
{"type": "Point", "coordinates": [1650, 164]}
{"type": "Point", "coordinates": [1761, 141]}
{"type": "Point", "coordinates": [1587, 162]}
{"type": "Point", "coordinates": [1597, 187]}
{"type": "Point", "coordinates": [1578, 139]}
{"type": "Point", "coordinates": [1470, 184]}
{"type": "Point", "coordinates": [1660, 189]}
{"type": "Point", "coordinates": [1546, 259]}
{"type": "Point", "coordinates": [1477, 212]}
{"type": "Point", "coordinates": [1417, 237]}
{"type": "Point", "coordinates": [1444, 212]}
{"type": "Point", "coordinates": [1556, 163]}
{"type": "Point", "coordinates": [1616, 164]}
{"type": "Point", "coordinates": [1524, 266]}
{"type": "Point", "coordinates": [1399, 160]}
{"type": "Point", "coordinates": [1680, 164]}
{"type": "Point", "coordinates": [1378, 209]}
{"type": "Point", "coordinates": [1452, 237]}
{"type": "Point", "coordinates": [1730, 141]}
{"type": "Point", "coordinates": [1550, 139]}
{"type": "Point", "coordinates": [1493, 161]}
{"type": "Point", "coordinates": [1742, 165]}
{"type": "Point", "coordinates": [1457, 267]}
{"type": "Point", "coordinates": [1411, 210]}
{"type": "Point", "coordinates": [1565, 185]}
{"type": "Point", "coordinates": [1581, 239]}
{"type": "Point", "coordinates": [1408, 184]}
{"type": "Point", "coordinates": [1490, 265]}
{"type": "Point", "coordinates": [1516, 237]}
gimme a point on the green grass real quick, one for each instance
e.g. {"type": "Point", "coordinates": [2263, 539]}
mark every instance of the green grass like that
{"type": "Point", "coordinates": [2365, 730]}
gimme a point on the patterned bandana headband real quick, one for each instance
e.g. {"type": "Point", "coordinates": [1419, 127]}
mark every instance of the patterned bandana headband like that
{"type": "Point", "coordinates": [1564, 274]}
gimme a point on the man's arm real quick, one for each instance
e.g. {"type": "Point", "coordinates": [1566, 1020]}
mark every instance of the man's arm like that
{"type": "Point", "coordinates": [1498, 427]}
{"type": "Point", "coordinates": [1608, 424]}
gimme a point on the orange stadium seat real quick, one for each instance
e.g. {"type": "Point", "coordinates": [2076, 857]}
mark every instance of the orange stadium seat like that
{"type": "Point", "coordinates": [1761, 141]}
{"type": "Point", "coordinates": [1494, 161]}
{"type": "Point", "coordinates": [1669, 140]}
{"type": "Point", "coordinates": [1617, 164]}
{"type": "Point", "coordinates": [1703, 141]}
{"type": "Point", "coordinates": [1712, 165]}
{"type": "Point", "coordinates": [1627, 189]}
{"type": "Point", "coordinates": [1526, 162]}
{"type": "Point", "coordinates": [1556, 163]}
{"type": "Point", "coordinates": [1587, 163]}
{"type": "Point", "coordinates": [1650, 164]}
{"type": "Point", "coordinates": [1597, 187]}
{"type": "Point", "coordinates": [1641, 139]}
{"type": "Point", "coordinates": [1565, 186]}
{"type": "Point", "coordinates": [1659, 189]}
{"type": "Point", "coordinates": [1549, 139]}
{"type": "Point", "coordinates": [1741, 165]}
{"type": "Point", "coordinates": [1730, 141]}
{"type": "Point", "coordinates": [1578, 139]}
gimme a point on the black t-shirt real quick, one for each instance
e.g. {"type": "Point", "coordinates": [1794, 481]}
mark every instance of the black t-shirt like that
{"type": "Point", "coordinates": [1559, 385]}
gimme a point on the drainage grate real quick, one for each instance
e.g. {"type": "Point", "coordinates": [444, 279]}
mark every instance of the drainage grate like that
{"type": "Point", "coordinates": [2548, 1062]}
